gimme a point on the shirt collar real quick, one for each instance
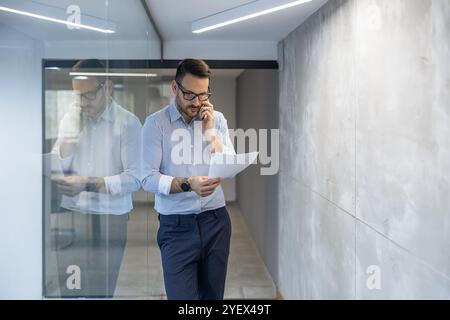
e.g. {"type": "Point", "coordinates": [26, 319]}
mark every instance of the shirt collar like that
{"type": "Point", "coordinates": [173, 111]}
{"type": "Point", "coordinates": [108, 113]}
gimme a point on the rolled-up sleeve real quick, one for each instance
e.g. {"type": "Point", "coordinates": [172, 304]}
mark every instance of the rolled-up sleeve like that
{"type": "Point", "coordinates": [68, 130]}
{"type": "Point", "coordinates": [154, 181]}
{"type": "Point", "coordinates": [65, 162]}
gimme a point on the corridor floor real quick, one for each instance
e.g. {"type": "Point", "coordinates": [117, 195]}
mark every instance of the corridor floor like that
{"type": "Point", "coordinates": [141, 273]}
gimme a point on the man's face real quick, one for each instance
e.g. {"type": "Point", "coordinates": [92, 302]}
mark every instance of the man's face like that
{"type": "Point", "coordinates": [190, 84]}
{"type": "Point", "coordinates": [92, 97]}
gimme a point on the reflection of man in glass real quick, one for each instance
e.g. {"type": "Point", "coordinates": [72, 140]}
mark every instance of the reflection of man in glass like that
{"type": "Point", "coordinates": [99, 149]}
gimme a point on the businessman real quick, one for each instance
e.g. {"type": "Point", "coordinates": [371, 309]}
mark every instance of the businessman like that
{"type": "Point", "coordinates": [98, 147]}
{"type": "Point", "coordinates": [195, 229]}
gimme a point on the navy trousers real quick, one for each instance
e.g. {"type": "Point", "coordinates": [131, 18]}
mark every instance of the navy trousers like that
{"type": "Point", "coordinates": [194, 253]}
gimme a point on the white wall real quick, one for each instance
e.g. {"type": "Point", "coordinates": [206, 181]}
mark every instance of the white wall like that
{"type": "Point", "coordinates": [257, 108]}
{"type": "Point", "coordinates": [20, 163]}
{"type": "Point", "coordinates": [224, 100]}
{"type": "Point", "coordinates": [221, 50]}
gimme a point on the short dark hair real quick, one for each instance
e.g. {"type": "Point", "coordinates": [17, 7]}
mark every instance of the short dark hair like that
{"type": "Point", "coordinates": [195, 67]}
{"type": "Point", "coordinates": [90, 65]}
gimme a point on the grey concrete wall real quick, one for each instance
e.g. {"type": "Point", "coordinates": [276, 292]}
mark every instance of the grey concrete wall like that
{"type": "Point", "coordinates": [365, 152]}
{"type": "Point", "coordinates": [257, 108]}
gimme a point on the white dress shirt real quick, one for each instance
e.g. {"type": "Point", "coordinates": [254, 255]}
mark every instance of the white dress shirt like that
{"type": "Point", "coordinates": [159, 168]}
{"type": "Point", "coordinates": [109, 148]}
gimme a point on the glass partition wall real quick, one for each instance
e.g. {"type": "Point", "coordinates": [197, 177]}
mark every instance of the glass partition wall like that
{"type": "Point", "coordinates": [92, 119]}
{"type": "Point", "coordinates": [91, 116]}
{"type": "Point", "coordinates": [100, 244]}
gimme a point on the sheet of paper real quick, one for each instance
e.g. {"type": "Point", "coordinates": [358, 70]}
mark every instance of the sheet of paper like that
{"type": "Point", "coordinates": [227, 166]}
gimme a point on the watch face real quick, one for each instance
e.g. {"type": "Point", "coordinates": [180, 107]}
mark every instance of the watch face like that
{"type": "Point", "coordinates": [90, 187]}
{"type": "Point", "coordinates": [185, 186]}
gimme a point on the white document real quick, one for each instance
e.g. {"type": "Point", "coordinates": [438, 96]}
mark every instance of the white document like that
{"type": "Point", "coordinates": [229, 165]}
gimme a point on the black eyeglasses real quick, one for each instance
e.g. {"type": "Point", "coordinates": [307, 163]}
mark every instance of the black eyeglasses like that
{"type": "Point", "coordinates": [190, 96]}
{"type": "Point", "coordinates": [91, 95]}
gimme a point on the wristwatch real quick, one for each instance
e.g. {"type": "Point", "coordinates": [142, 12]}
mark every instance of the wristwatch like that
{"type": "Point", "coordinates": [185, 185]}
{"type": "Point", "coordinates": [91, 187]}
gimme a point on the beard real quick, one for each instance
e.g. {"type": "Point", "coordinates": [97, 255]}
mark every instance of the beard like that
{"type": "Point", "coordinates": [86, 110]}
{"type": "Point", "coordinates": [189, 110]}
{"type": "Point", "coordinates": [194, 109]}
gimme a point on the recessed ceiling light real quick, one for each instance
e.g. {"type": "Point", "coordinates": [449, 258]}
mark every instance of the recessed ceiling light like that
{"type": "Point", "coordinates": [67, 23]}
{"type": "Point", "coordinates": [245, 12]}
{"type": "Point", "coordinates": [113, 74]}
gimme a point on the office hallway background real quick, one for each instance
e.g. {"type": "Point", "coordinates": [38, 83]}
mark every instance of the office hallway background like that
{"type": "Point", "coordinates": [360, 206]}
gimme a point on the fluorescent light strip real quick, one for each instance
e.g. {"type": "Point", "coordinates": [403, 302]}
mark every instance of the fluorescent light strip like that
{"type": "Point", "coordinates": [115, 74]}
{"type": "Point", "coordinates": [67, 23]}
{"type": "Point", "coordinates": [251, 16]}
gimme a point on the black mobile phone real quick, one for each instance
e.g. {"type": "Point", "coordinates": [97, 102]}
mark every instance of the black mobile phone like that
{"type": "Point", "coordinates": [201, 115]}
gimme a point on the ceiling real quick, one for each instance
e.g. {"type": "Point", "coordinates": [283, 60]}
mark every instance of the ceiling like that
{"type": "Point", "coordinates": [174, 18]}
{"type": "Point", "coordinates": [127, 18]}
{"type": "Point", "coordinates": [135, 37]}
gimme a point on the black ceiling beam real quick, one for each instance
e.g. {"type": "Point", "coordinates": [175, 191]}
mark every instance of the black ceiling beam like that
{"type": "Point", "coordinates": [168, 64]}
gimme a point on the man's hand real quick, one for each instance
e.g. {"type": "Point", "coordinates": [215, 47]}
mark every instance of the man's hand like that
{"type": "Point", "coordinates": [207, 116]}
{"type": "Point", "coordinates": [72, 186]}
{"type": "Point", "coordinates": [208, 126]}
{"type": "Point", "coordinates": [204, 186]}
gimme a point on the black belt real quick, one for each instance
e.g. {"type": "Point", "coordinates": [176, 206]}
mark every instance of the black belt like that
{"type": "Point", "coordinates": [190, 217]}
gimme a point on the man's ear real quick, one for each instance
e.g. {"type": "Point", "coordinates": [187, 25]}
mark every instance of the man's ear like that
{"type": "Point", "coordinates": [174, 87]}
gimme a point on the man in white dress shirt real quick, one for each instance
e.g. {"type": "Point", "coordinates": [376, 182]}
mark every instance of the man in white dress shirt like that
{"type": "Point", "coordinates": [99, 150]}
